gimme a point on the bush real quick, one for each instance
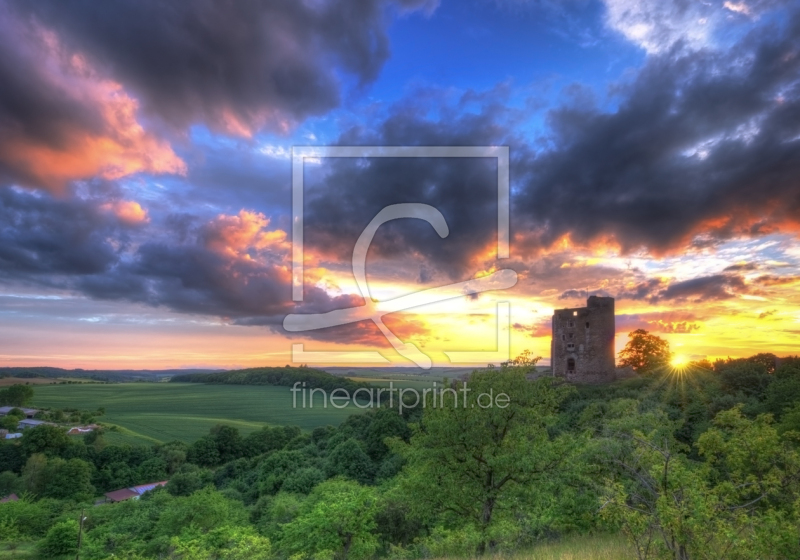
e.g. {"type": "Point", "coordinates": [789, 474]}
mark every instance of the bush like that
{"type": "Point", "coordinates": [61, 539]}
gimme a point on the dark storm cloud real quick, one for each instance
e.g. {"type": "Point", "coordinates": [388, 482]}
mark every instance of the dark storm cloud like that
{"type": "Point", "coordinates": [343, 195]}
{"type": "Point", "coordinates": [700, 142]}
{"type": "Point", "coordinates": [41, 236]}
{"type": "Point", "coordinates": [234, 65]}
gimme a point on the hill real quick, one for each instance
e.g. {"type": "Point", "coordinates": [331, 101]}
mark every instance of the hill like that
{"type": "Point", "coordinates": [285, 376]}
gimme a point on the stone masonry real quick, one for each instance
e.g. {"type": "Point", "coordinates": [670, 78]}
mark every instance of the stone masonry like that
{"type": "Point", "coordinates": [582, 348]}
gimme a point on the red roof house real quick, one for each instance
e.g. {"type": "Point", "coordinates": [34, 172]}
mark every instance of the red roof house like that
{"type": "Point", "coordinates": [133, 491]}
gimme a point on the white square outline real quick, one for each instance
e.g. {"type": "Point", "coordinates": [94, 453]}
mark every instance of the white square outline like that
{"type": "Point", "coordinates": [299, 153]}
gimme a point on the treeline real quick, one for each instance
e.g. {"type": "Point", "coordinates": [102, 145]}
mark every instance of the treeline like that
{"type": "Point", "coordinates": [699, 461]}
{"type": "Point", "coordinates": [111, 376]}
{"type": "Point", "coordinates": [281, 376]}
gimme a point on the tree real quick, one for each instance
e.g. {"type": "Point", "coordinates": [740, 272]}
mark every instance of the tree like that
{"type": "Point", "coordinates": [477, 464]}
{"type": "Point", "coordinates": [645, 352]}
{"type": "Point", "coordinates": [50, 440]}
{"type": "Point", "coordinates": [746, 377]}
{"type": "Point", "coordinates": [738, 504]}
{"type": "Point", "coordinates": [58, 478]}
{"type": "Point", "coordinates": [205, 510]}
{"type": "Point", "coordinates": [61, 539]}
{"type": "Point", "coordinates": [16, 395]}
{"type": "Point", "coordinates": [337, 520]}
{"type": "Point", "coordinates": [229, 442]}
{"type": "Point", "coordinates": [348, 459]}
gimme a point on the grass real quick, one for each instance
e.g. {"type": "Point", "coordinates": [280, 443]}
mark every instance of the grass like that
{"type": "Point", "coordinates": [148, 413]}
{"type": "Point", "coordinates": [597, 547]}
{"type": "Point", "coordinates": [18, 550]}
{"type": "Point", "coordinates": [593, 547]}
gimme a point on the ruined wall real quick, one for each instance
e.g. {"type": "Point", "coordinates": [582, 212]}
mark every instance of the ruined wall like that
{"type": "Point", "coordinates": [582, 348]}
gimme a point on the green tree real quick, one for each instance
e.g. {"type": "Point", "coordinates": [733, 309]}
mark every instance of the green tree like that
{"type": "Point", "coordinates": [348, 459]}
{"type": "Point", "coordinates": [204, 452]}
{"type": "Point", "coordinates": [10, 483]}
{"type": "Point", "coordinates": [337, 520]}
{"type": "Point", "coordinates": [229, 442]}
{"type": "Point", "coordinates": [737, 504]}
{"type": "Point", "coordinates": [50, 440]}
{"type": "Point", "coordinates": [16, 395]}
{"type": "Point", "coordinates": [477, 463]}
{"type": "Point", "coordinates": [68, 480]}
{"type": "Point", "coordinates": [205, 510]}
{"type": "Point", "coordinates": [303, 481]}
{"type": "Point", "coordinates": [644, 352]}
{"type": "Point", "coordinates": [60, 540]}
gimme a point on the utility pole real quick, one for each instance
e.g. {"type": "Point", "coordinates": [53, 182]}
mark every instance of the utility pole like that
{"type": "Point", "coordinates": [80, 534]}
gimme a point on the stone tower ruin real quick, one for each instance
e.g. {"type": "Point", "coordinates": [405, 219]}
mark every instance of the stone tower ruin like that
{"type": "Point", "coordinates": [582, 348]}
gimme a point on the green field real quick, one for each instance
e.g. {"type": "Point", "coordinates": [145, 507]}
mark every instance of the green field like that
{"type": "Point", "coordinates": [160, 412]}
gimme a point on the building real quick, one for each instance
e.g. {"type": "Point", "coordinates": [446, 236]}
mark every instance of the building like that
{"type": "Point", "coordinates": [29, 412]}
{"type": "Point", "coordinates": [10, 498]}
{"type": "Point", "coordinates": [28, 423]}
{"type": "Point", "coordinates": [132, 492]}
{"type": "Point", "coordinates": [582, 347]}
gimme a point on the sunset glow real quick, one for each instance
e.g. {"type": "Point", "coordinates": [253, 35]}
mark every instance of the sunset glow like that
{"type": "Point", "coordinates": [146, 200]}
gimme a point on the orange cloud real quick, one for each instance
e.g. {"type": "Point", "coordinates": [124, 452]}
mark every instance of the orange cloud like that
{"type": "Point", "coordinates": [95, 133]}
{"type": "Point", "coordinates": [241, 236]}
{"type": "Point", "coordinates": [128, 211]}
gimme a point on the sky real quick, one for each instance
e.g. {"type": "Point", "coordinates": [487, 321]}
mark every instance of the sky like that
{"type": "Point", "coordinates": [146, 200]}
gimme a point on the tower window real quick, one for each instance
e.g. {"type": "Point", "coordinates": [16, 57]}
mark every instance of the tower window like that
{"type": "Point", "coordinates": [574, 313]}
{"type": "Point", "coordinates": [571, 346]}
{"type": "Point", "coordinates": [587, 324]}
{"type": "Point", "coordinates": [570, 365]}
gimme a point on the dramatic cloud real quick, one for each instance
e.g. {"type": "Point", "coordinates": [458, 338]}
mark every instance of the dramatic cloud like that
{"type": "Point", "coordinates": [343, 195]}
{"type": "Point", "coordinates": [61, 120]}
{"type": "Point", "coordinates": [237, 66]}
{"type": "Point", "coordinates": [233, 266]}
{"type": "Point", "coordinates": [702, 144]}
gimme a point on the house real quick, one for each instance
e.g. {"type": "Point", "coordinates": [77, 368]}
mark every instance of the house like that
{"type": "Point", "coordinates": [12, 436]}
{"type": "Point", "coordinates": [29, 412]}
{"type": "Point", "coordinates": [28, 423]}
{"type": "Point", "coordinates": [9, 498]}
{"type": "Point", "coordinates": [132, 492]}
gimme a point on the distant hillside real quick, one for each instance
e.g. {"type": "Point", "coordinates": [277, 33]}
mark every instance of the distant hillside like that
{"type": "Point", "coordinates": [281, 376]}
{"type": "Point", "coordinates": [117, 375]}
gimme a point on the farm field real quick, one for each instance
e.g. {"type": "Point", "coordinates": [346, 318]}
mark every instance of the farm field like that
{"type": "Point", "coordinates": [149, 413]}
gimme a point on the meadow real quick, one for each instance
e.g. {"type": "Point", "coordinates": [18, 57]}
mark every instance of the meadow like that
{"type": "Point", "coordinates": [150, 413]}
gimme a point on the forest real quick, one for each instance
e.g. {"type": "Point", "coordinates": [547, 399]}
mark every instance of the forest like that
{"type": "Point", "coordinates": [691, 461]}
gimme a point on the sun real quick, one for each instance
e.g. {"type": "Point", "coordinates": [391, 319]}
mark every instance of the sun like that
{"type": "Point", "coordinates": [679, 361]}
